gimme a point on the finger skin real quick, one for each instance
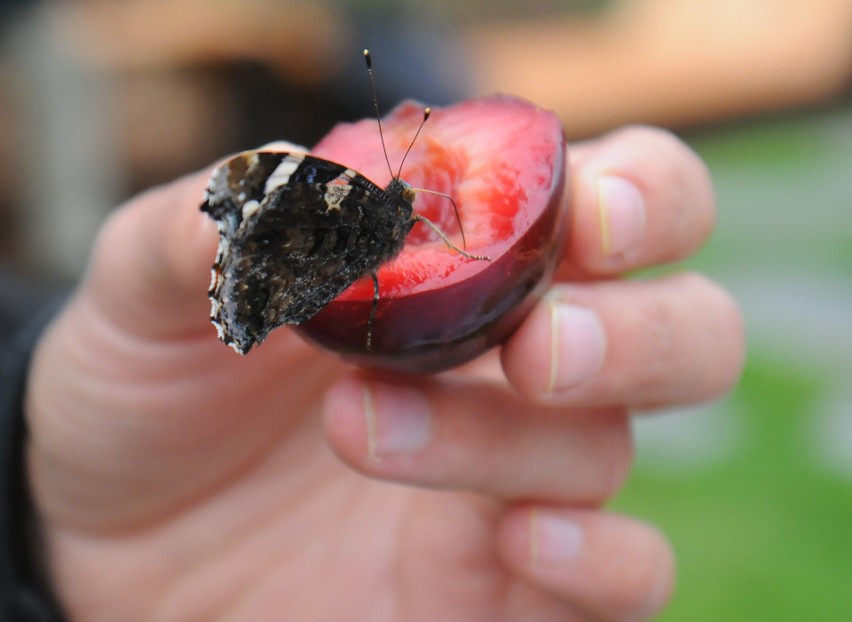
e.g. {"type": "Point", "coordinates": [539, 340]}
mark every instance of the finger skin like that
{"type": "Point", "coordinates": [674, 340]}
{"type": "Point", "coordinates": [150, 267]}
{"type": "Point", "coordinates": [677, 210]}
{"type": "Point", "coordinates": [608, 566]}
{"type": "Point", "coordinates": [478, 438]}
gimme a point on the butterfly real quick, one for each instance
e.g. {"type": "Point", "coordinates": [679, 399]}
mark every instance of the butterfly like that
{"type": "Point", "coordinates": [295, 231]}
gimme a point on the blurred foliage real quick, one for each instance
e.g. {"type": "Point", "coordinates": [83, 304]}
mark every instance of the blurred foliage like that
{"type": "Point", "coordinates": [765, 536]}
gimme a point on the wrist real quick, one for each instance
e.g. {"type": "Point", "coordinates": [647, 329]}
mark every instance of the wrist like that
{"type": "Point", "coordinates": [25, 593]}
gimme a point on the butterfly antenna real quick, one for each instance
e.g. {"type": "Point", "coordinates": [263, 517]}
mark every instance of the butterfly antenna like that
{"type": "Point", "coordinates": [426, 112]}
{"type": "Point", "coordinates": [369, 62]}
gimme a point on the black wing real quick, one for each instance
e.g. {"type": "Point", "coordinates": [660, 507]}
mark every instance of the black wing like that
{"type": "Point", "coordinates": [294, 232]}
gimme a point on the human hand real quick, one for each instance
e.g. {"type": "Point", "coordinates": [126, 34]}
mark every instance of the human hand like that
{"type": "Point", "coordinates": [175, 480]}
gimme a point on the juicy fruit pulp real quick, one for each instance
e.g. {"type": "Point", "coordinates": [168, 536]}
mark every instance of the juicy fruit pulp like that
{"type": "Point", "coordinates": [502, 160]}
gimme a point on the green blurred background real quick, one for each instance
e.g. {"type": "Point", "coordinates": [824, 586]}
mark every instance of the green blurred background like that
{"type": "Point", "coordinates": [756, 492]}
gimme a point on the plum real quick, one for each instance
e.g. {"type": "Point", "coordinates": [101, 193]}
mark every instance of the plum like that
{"type": "Point", "coordinates": [503, 161]}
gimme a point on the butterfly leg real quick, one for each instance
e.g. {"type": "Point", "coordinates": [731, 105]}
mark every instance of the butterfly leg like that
{"type": "Point", "coordinates": [373, 308]}
{"type": "Point", "coordinates": [446, 240]}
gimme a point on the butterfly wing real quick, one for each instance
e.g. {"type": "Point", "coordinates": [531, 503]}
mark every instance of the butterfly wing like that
{"type": "Point", "coordinates": [295, 231]}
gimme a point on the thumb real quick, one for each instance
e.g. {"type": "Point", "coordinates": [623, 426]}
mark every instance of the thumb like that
{"type": "Point", "coordinates": [150, 267]}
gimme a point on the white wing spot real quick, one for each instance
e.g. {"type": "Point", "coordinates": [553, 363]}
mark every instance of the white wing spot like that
{"type": "Point", "coordinates": [249, 208]}
{"type": "Point", "coordinates": [281, 175]}
{"type": "Point", "coordinates": [334, 195]}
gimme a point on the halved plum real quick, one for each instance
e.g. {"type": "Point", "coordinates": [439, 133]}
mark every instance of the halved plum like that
{"type": "Point", "coordinates": [502, 159]}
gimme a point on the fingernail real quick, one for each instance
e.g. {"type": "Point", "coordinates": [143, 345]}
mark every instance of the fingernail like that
{"type": "Point", "coordinates": [398, 420]}
{"type": "Point", "coordinates": [554, 539]}
{"type": "Point", "coordinates": [621, 210]}
{"type": "Point", "coordinates": [577, 347]}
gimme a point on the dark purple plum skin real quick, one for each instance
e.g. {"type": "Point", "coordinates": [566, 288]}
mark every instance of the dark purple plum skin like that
{"type": "Point", "coordinates": [438, 329]}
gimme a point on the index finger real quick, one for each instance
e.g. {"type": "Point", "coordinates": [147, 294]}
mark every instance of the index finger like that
{"type": "Point", "coordinates": [639, 197]}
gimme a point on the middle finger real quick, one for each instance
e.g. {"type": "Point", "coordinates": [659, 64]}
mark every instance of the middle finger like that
{"type": "Point", "coordinates": [643, 344]}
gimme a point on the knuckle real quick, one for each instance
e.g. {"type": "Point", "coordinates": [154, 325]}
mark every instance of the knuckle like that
{"type": "Point", "coordinates": [658, 323]}
{"type": "Point", "coordinates": [621, 454]}
{"type": "Point", "coordinates": [692, 336]}
{"type": "Point", "coordinates": [730, 340]}
{"type": "Point", "coordinates": [713, 337]}
{"type": "Point", "coordinates": [608, 458]}
{"type": "Point", "coordinates": [646, 591]}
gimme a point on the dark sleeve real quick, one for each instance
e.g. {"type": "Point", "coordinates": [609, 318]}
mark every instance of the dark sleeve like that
{"type": "Point", "coordinates": [24, 596]}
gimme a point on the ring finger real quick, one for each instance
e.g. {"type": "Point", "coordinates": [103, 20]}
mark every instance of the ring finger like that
{"type": "Point", "coordinates": [474, 436]}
